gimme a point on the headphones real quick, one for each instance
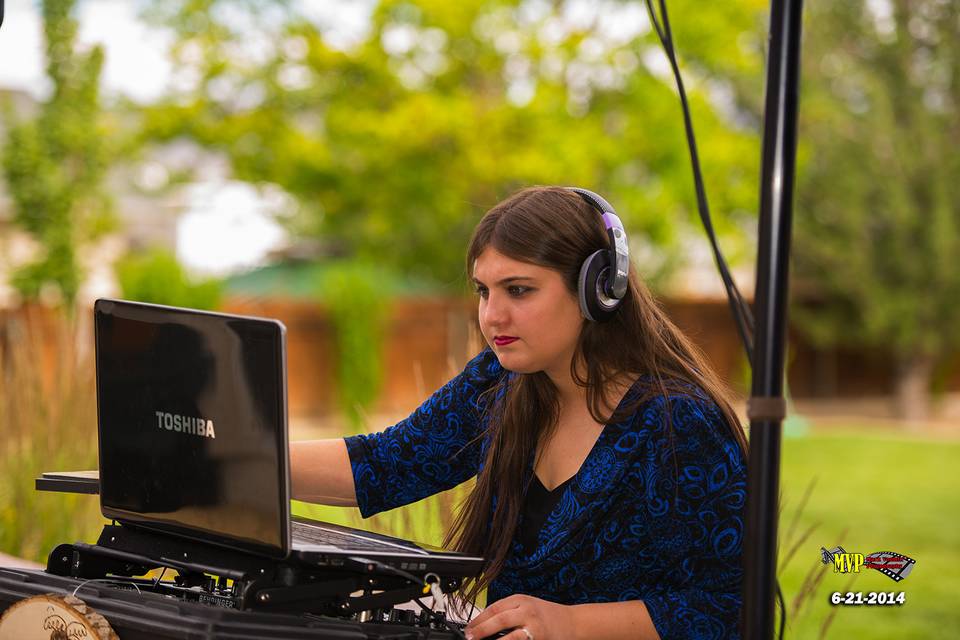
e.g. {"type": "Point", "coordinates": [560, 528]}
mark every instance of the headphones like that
{"type": "Point", "coordinates": [602, 283]}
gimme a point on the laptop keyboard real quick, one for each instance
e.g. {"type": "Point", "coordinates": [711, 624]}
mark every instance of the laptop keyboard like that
{"type": "Point", "coordinates": [347, 541]}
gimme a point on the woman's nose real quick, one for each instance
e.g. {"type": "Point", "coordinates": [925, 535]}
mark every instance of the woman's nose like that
{"type": "Point", "coordinates": [493, 312]}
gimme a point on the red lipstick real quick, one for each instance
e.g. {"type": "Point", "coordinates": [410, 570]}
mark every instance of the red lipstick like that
{"type": "Point", "coordinates": [503, 340]}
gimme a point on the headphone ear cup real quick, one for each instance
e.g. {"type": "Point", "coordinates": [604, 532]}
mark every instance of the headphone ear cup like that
{"type": "Point", "coordinates": [595, 305]}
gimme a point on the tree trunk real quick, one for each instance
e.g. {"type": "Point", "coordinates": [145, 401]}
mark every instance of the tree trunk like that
{"type": "Point", "coordinates": [914, 372]}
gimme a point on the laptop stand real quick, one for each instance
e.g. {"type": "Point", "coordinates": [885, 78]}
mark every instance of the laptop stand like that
{"type": "Point", "coordinates": [234, 579]}
{"type": "Point", "coordinates": [149, 615]}
{"type": "Point", "coordinates": [231, 579]}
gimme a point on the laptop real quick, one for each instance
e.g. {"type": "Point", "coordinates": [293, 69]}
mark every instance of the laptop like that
{"type": "Point", "coordinates": [192, 423]}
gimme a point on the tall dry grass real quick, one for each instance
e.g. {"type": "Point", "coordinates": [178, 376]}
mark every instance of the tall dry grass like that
{"type": "Point", "coordinates": [428, 520]}
{"type": "Point", "coordinates": [792, 539]}
{"type": "Point", "coordinates": [48, 422]}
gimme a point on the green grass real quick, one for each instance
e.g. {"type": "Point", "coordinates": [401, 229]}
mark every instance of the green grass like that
{"type": "Point", "coordinates": [426, 521]}
{"type": "Point", "coordinates": [874, 491]}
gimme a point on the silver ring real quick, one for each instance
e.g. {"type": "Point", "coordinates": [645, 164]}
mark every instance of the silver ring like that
{"type": "Point", "coordinates": [526, 631]}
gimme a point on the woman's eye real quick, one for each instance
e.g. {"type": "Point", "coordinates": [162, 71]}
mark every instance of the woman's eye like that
{"type": "Point", "coordinates": [515, 291]}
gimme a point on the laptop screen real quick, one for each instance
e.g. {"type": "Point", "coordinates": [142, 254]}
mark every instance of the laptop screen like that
{"type": "Point", "coordinates": [192, 424]}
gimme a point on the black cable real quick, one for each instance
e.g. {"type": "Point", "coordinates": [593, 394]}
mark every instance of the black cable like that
{"type": "Point", "coordinates": [436, 616]}
{"type": "Point", "coordinates": [740, 309]}
{"type": "Point", "coordinates": [702, 203]}
{"type": "Point", "coordinates": [742, 315]}
{"type": "Point", "coordinates": [159, 578]}
{"type": "Point", "coordinates": [441, 618]}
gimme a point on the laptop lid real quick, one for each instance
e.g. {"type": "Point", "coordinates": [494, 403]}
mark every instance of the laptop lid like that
{"type": "Point", "coordinates": [193, 424]}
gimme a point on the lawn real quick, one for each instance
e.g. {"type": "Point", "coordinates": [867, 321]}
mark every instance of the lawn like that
{"type": "Point", "coordinates": [875, 491]}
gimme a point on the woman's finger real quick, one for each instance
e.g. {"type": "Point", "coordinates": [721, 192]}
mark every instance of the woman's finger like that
{"type": "Point", "coordinates": [510, 602]}
{"type": "Point", "coordinates": [505, 620]}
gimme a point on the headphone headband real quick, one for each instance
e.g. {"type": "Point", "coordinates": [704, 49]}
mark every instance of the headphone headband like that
{"type": "Point", "coordinates": [593, 199]}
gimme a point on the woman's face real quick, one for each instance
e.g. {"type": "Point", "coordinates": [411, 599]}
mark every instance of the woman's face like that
{"type": "Point", "coordinates": [527, 315]}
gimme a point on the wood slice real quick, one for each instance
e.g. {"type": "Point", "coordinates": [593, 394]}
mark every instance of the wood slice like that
{"type": "Point", "coordinates": [54, 617]}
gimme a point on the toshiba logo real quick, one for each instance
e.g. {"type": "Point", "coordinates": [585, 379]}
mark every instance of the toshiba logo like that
{"type": "Point", "coordinates": [185, 424]}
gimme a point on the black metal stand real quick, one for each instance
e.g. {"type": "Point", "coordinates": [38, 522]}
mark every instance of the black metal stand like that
{"type": "Point", "coordinates": [766, 408]}
{"type": "Point", "coordinates": [233, 579]}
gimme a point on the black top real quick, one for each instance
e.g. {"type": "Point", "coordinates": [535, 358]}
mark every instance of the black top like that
{"type": "Point", "coordinates": [536, 507]}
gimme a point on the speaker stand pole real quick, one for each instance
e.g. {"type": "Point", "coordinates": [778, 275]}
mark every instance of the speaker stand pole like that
{"type": "Point", "coordinates": [766, 407]}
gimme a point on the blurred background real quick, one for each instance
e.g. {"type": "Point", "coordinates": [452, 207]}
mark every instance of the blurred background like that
{"type": "Point", "coordinates": [325, 162]}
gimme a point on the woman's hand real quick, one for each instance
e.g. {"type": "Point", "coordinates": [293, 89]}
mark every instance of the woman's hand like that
{"type": "Point", "coordinates": [529, 618]}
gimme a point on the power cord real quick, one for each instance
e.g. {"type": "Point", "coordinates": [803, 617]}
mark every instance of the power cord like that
{"type": "Point", "coordinates": [742, 314]}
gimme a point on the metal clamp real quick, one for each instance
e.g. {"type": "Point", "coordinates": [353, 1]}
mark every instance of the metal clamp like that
{"type": "Point", "coordinates": [766, 408]}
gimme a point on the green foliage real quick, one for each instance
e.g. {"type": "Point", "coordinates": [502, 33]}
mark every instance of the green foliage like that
{"type": "Point", "coordinates": [395, 145]}
{"type": "Point", "coordinates": [878, 219]}
{"type": "Point", "coordinates": [356, 302]}
{"type": "Point", "coordinates": [298, 280]}
{"type": "Point", "coordinates": [157, 277]}
{"type": "Point", "coordinates": [54, 163]}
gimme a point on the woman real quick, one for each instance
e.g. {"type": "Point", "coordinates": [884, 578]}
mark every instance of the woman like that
{"type": "Point", "coordinates": [610, 466]}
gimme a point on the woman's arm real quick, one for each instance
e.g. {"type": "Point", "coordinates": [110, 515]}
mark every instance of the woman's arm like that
{"type": "Point", "coordinates": [433, 449]}
{"type": "Point", "coordinates": [320, 472]}
{"type": "Point", "coordinates": [543, 620]}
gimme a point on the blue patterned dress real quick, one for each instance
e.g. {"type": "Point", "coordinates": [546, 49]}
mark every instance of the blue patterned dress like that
{"type": "Point", "coordinates": [649, 516]}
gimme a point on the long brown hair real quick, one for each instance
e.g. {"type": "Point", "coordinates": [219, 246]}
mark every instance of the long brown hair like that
{"type": "Point", "coordinates": [553, 227]}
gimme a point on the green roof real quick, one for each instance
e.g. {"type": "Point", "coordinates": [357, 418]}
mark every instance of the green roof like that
{"type": "Point", "coordinates": [302, 280]}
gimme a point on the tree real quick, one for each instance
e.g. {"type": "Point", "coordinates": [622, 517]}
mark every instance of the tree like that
{"type": "Point", "coordinates": [878, 202]}
{"type": "Point", "coordinates": [395, 145]}
{"type": "Point", "coordinates": [54, 163]}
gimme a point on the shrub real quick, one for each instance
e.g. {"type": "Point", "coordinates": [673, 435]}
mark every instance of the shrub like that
{"type": "Point", "coordinates": [355, 298]}
{"type": "Point", "coordinates": [157, 277]}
